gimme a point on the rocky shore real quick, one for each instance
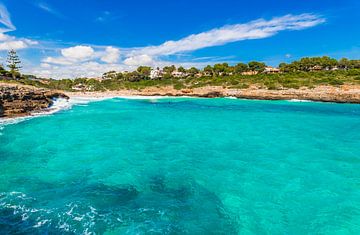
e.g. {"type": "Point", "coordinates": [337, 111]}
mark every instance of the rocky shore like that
{"type": "Point", "coordinates": [341, 94]}
{"type": "Point", "coordinates": [19, 100]}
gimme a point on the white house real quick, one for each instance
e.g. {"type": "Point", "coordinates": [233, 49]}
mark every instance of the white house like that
{"type": "Point", "coordinates": [178, 74]}
{"type": "Point", "coordinates": [156, 73]}
{"type": "Point", "coordinates": [271, 70]}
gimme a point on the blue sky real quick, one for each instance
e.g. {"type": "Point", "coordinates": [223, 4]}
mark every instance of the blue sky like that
{"type": "Point", "coordinates": [86, 38]}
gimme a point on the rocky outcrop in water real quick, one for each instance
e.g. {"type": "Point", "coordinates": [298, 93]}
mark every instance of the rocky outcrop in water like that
{"type": "Point", "coordinates": [17, 100]}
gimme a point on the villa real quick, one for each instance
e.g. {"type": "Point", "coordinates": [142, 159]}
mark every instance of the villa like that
{"type": "Point", "coordinates": [251, 72]}
{"type": "Point", "coordinates": [156, 73]}
{"type": "Point", "coordinates": [316, 68]}
{"type": "Point", "coordinates": [270, 69]}
{"type": "Point", "coordinates": [178, 74]}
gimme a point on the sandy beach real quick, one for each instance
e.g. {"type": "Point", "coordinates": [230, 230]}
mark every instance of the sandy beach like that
{"type": "Point", "coordinates": [341, 94]}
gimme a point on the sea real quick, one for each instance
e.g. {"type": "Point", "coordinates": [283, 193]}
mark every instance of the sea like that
{"type": "Point", "coordinates": [162, 165]}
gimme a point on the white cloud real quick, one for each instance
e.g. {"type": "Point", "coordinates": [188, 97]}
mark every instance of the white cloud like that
{"type": "Point", "coordinates": [15, 45]}
{"type": "Point", "coordinates": [5, 20]}
{"type": "Point", "coordinates": [45, 65]}
{"type": "Point", "coordinates": [57, 60]}
{"type": "Point", "coordinates": [112, 55]}
{"type": "Point", "coordinates": [139, 60]}
{"type": "Point", "coordinates": [46, 7]}
{"type": "Point", "coordinates": [10, 42]}
{"type": "Point", "coordinates": [106, 15]}
{"type": "Point", "coordinates": [85, 61]}
{"type": "Point", "coordinates": [232, 33]}
{"type": "Point", "coordinates": [84, 69]}
{"type": "Point", "coordinates": [78, 52]}
{"type": "Point", "coordinates": [4, 37]}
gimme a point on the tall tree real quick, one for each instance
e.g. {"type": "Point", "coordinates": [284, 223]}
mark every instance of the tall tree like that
{"type": "Point", "coordinates": [241, 67]}
{"type": "Point", "coordinates": [256, 66]}
{"type": "Point", "coordinates": [144, 70]}
{"type": "Point", "coordinates": [169, 69]}
{"type": "Point", "coordinates": [13, 63]}
{"type": "Point", "coordinates": [181, 69]}
{"type": "Point", "coordinates": [209, 70]}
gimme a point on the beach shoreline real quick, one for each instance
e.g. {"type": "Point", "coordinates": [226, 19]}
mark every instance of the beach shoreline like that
{"type": "Point", "coordinates": [25, 106]}
{"type": "Point", "coordinates": [341, 94]}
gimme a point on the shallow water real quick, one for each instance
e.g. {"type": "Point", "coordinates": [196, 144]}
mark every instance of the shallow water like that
{"type": "Point", "coordinates": [183, 165]}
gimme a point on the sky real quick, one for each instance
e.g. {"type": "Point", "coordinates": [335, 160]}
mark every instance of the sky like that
{"type": "Point", "coordinates": [68, 39]}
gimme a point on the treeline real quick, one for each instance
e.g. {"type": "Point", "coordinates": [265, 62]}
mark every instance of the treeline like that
{"type": "Point", "coordinates": [306, 72]}
{"type": "Point", "coordinates": [306, 64]}
{"type": "Point", "coordinates": [319, 63]}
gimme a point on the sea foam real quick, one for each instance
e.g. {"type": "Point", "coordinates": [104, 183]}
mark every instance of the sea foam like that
{"type": "Point", "coordinates": [59, 104]}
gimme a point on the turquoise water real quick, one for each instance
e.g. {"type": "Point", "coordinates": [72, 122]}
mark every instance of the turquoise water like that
{"type": "Point", "coordinates": [183, 166]}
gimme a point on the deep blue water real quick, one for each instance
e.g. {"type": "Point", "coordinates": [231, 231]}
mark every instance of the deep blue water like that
{"type": "Point", "coordinates": [183, 166]}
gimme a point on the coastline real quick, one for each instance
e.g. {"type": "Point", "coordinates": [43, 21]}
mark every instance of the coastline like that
{"type": "Point", "coordinates": [341, 94]}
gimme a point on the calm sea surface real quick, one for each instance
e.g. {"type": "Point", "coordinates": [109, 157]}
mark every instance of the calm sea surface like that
{"type": "Point", "coordinates": [183, 166]}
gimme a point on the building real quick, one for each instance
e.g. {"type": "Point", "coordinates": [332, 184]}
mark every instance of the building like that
{"type": "Point", "coordinates": [316, 68]}
{"type": "Point", "coordinates": [82, 87]}
{"type": "Point", "coordinates": [199, 75]}
{"type": "Point", "coordinates": [156, 73]}
{"type": "Point", "coordinates": [250, 73]}
{"type": "Point", "coordinates": [270, 70]}
{"type": "Point", "coordinates": [207, 74]}
{"type": "Point", "coordinates": [79, 87]}
{"type": "Point", "coordinates": [178, 74]}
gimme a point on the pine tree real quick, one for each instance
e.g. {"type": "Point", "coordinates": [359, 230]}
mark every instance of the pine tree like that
{"type": "Point", "coordinates": [13, 63]}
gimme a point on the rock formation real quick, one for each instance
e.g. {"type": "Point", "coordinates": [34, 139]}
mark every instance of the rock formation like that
{"type": "Point", "coordinates": [18, 100]}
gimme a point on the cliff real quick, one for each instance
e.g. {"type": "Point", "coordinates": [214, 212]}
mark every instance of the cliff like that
{"type": "Point", "coordinates": [19, 100]}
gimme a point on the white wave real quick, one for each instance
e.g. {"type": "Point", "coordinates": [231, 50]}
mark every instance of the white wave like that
{"type": "Point", "coordinates": [302, 101]}
{"type": "Point", "coordinates": [65, 104]}
{"type": "Point", "coordinates": [58, 105]}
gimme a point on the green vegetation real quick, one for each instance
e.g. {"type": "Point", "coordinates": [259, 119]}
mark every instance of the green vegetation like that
{"type": "Point", "coordinates": [268, 81]}
{"type": "Point", "coordinates": [13, 63]}
{"type": "Point", "coordinates": [306, 72]}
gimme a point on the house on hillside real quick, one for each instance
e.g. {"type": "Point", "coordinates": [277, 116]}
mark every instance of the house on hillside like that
{"type": "Point", "coordinates": [199, 75]}
{"type": "Point", "coordinates": [207, 74]}
{"type": "Point", "coordinates": [156, 73]}
{"type": "Point", "coordinates": [251, 72]}
{"type": "Point", "coordinates": [178, 74]}
{"type": "Point", "coordinates": [316, 68]}
{"type": "Point", "coordinates": [271, 70]}
{"type": "Point", "coordinates": [79, 87]}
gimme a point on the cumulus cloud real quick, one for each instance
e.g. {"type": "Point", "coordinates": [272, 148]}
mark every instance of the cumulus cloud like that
{"type": "Point", "coordinates": [84, 69]}
{"type": "Point", "coordinates": [139, 60]}
{"type": "Point", "coordinates": [79, 61]}
{"type": "Point", "coordinates": [16, 45]}
{"type": "Point", "coordinates": [111, 55]}
{"type": "Point", "coordinates": [57, 60]}
{"type": "Point", "coordinates": [232, 33]}
{"type": "Point", "coordinates": [72, 55]}
{"type": "Point", "coordinates": [78, 52]}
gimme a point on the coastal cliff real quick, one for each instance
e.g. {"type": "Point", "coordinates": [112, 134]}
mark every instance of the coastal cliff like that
{"type": "Point", "coordinates": [18, 100]}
